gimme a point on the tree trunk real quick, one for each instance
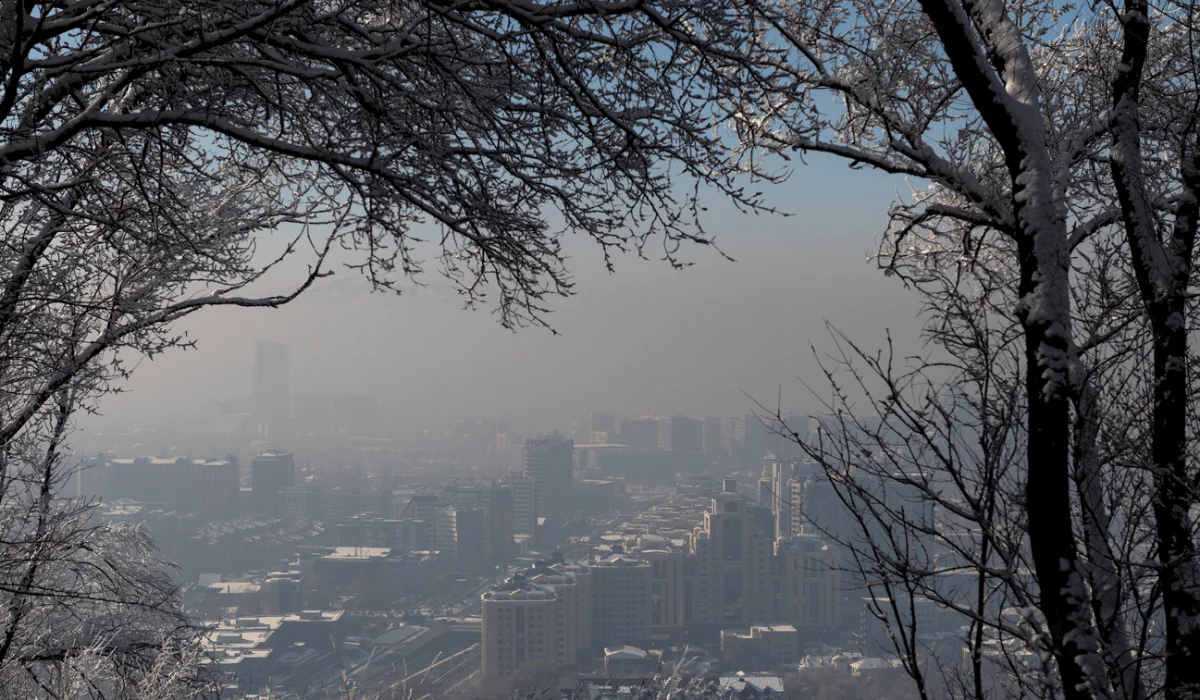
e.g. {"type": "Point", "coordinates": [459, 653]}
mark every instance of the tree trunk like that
{"type": "Point", "coordinates": [1173, 496]}
{"type": "Point", "coordinates": [1063, 600]}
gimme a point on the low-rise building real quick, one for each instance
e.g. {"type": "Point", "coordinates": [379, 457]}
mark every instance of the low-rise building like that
{"type": "Point", "coordinates": [627, 661]}
{"type": "Point", "coordinates": [764, 646]}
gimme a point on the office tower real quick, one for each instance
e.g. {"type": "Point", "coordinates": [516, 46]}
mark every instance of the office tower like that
{"type": "Point", "coordinates": [497, 501]}
{"type": "Point", "coordinates": [602, 422]}
{"type": "Point", "coordinates": [582, 574]}
{"type": "Point", "coordinates": [442, 529]}
{"type": "Point", "coordinates": [621, 606]}
{"type": "Point", "coordinates": [796, 498]}
{"type": "Point", "coordinates": [765, 495]}
{"type": "Point", "coordinates": [737, 434]}
{"type": "Point", "coordinates": [687, 434]}
{"type": "Point", "coordinates": [567, 612]}
{"type": "Point", "coordinates": [716, 438]}
{"type": "Point", "coordinates": [637, 432]}
{"type": "Point", "coordinates": [472, 539]}
{"type": "Point", "coordinates": [524, 522]}
{"type": "Point", "coordinates": [271, 384]}
{"type": "Point", "coordinates": [550, 464]}
{"type": "Point", "coordinates": [783, 437]}
{"type": "Point", "coordinates": [811, 594]}
{"type": "Point", "coordinates": [519, 627]}
{"type": "Point", "coordinates": [733, 551]}
{"type": "Point", "coordinates": [664, 434]}
{"type": "Point", "coordinates": [754, 437]}
{"type": "Point", "coordinates": [271, 473]}
{"type": "Point", "coordinates": [782, 472]}
{"type": "Point", "coordinates": [502, 511]}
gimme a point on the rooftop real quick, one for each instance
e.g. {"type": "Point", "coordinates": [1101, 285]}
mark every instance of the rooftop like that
{"type": "Point", "coordinates": [350, 553]}
{"type": "Point", "coordinates": [740, 680]}
{"type": "Point", "coordinates": [233, 587]}
{"type": "Point", "coordinates": [619, 560]}
{"type": "Point", "coordinates": [519, 588]}
{"type": "Point", "coordinates": [625, 651]}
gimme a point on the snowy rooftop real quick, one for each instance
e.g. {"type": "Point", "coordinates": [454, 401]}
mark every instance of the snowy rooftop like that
{"type": "Point", "coordinates": [760, 684]}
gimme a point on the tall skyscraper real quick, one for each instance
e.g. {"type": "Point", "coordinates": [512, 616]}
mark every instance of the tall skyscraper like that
{"type": "Point", "coordinates": [733, 550]}
{"type": "Point", "coordinates": [270, 474]}
{"type": "Point", "coordinates": [271, 382]}
{"type": "Point", "coordinates": [550, 464]}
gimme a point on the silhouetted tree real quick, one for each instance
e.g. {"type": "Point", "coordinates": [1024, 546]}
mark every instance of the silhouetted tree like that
{"type": "Point", "coordinates": [1050, 228]}
{"type": "Point", "coordinates": [158, 158]}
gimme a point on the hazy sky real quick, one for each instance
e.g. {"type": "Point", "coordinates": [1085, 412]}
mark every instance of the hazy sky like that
{"type": "Point", "coordinates": [646, 339]}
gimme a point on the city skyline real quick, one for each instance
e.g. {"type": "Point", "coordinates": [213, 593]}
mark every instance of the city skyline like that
{"type": "Point", "coordinates": [636, 340]}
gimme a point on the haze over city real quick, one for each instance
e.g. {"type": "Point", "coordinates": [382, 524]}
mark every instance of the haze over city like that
{"type": "Point", "coordinates": [647, 338]}
{"type": "Point", "coordinates": [599, 350]}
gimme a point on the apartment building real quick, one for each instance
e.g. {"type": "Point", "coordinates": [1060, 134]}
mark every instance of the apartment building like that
{"type": "Point", "coordinates": [519, 627]}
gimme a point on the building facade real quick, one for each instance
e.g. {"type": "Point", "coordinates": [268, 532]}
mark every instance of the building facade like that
{"type": "Point", "coordinates": [550, 465]}
{"type": "Point", "coordinates": [518, 627]}
{"type": "Point", "coordinates": [621, 602]}
{"type": "Point", "coordinates": [733, 551]}
{"type": "Point", "coordinates": [271, 474]}
{"type": "Point", "coordinates": [810, 595]}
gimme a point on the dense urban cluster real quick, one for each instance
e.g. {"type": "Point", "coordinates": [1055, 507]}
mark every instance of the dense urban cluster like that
{"type": "Point", "coordinates": [323, 555]}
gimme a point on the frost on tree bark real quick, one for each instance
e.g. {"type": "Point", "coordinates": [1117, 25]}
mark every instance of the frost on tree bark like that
{"type": "Point", "coordinates": [148, 149]}
{"type": "Point", "coordinates": [1051, 152]}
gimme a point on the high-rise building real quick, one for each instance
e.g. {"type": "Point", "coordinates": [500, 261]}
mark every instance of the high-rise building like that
{"type": "Point", "coordinates": [472, 538]}
{"type": "Point", "coordinates": [782, 473]}
{"type": "Point", "coordinates": [494, 498]}
{"type": "Point", "coordinates": [733, 551]}
{"type": "Point", "coordinates": [519, 621]}
{"type": "Point", "coordinates": [666, 581]}
{"type": "Point", "coordinates": [524, 516]}
{"type": "Point", "coordinates": [637, 432]}
{"type": "Point", "coordinates": [716, 437]}
{"type": "Point", "coordinates": [582, 574]}
{"type": "Point", "coordinates": [550, 464]}
{"type": "Point", "coordinates": [207, 486]}
{"type": "Point", "coordinates": [681, 433]}
{"type": "Point", "coordinates": [811, 596]}
{"type": "Point", "coordinates": [567, 612]}
{"type": "Point", "coordinates": [271, 384]}
{"type": "Point", "coordinates": [602, 422]}
{"type": "Point", "coordinates": [621, 604]}
{"type": "Point", "coordinates": [270, 474]}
